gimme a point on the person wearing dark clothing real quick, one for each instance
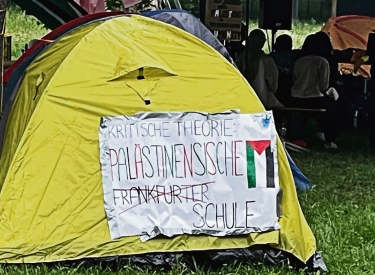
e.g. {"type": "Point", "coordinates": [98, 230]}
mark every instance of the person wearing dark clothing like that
{"type": "Point", "coordinates": [261, 72]}
{"type": "Point", "coordinates": [284, 57]}
{"type": "Point", "coordinates": [311, 84]}
{"type": "Point", "coordinates": [335, 80]}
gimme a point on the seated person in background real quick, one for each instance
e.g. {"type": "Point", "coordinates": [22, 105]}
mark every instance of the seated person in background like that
{"type": "Point", "coordinates": [335, 78]}
{"type": "Point", "coordinates": [261, 71]}
{"type": "Point", "coordinates": [311, 83]}
{"type": "Point", "coordinates": [284, 57]}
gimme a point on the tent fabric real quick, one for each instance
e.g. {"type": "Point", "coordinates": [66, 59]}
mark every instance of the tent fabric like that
{"type": "Point", "coordinates": [14, 73]}
{"type": "Point", "coordinates": [188, 22]}
{"type": "Point", "coordinates": [52, 13]}
{"type": "Point", "coordinates": [178, 18]}
{"type": "Point", "coordinates": [51, 200]}
{"type": "Point", "coordinates": [349, 31]}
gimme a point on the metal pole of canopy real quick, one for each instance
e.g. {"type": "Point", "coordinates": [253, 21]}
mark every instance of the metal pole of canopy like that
{"type": "Point", "coordinates": [247, 19]}
{"type": "Point", "coordinates": [295, 10]}
{"type": "Point", "coordinates": [202, 11]}
{"type": "Point", "coordinates": [177, 4]}
{"type": "Point", "coordinates": [167, 4]}
{"type": "Point", "coordinates": [273, 34]}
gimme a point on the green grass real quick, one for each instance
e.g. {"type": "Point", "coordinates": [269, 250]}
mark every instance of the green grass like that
{"type": "Point", "coordinates": [340, 209]}
{"type": "Point", "coordinates": [240, 270]}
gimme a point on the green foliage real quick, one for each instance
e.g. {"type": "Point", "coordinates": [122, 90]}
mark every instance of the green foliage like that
{"type": "Point", "coordinates": [320, 10]}
{"type": "Point", "coordinates": [143, 6]}
{"type": "Point", "coordinates": [188, 5]}
{"type": "Point", "coordinates": [11, 4]}
{"type": "Point", "coordinates": [191, 6]}
{"type": "Point", "coordinates": [114, 5]}
{"type": "Point", "coordinates": [300, 30]}
{"type": "Point", "coordinates": [22, 28]}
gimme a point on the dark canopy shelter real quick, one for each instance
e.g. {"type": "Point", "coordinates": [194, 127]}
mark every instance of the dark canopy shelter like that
{"type": "Point", "coordinates": [52, 13]}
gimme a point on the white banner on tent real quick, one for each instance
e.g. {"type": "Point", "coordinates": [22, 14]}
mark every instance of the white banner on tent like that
{"type": "Point", "coordinates": [189, 173]}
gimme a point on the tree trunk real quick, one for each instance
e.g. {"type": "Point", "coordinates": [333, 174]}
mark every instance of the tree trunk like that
{"type": "Point", "coordinates": [3, 6]}
{"type": "Point", "coordinates": [295, 10]}
{"type": "Point", "coordinates": [308, 9]}
{"type": "Point", "coordinates": [334, 8]}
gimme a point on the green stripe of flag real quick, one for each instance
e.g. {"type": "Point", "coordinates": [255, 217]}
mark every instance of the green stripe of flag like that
{"type": "Point", "coordinates": [251, 180]}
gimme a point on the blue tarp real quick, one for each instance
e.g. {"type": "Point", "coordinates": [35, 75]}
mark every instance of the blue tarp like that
{"type": "Point", "coordinates": [301, 181]}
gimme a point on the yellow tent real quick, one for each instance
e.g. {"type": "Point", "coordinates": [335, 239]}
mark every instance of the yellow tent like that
{"type": "Point", "coordinates": [51, 202]}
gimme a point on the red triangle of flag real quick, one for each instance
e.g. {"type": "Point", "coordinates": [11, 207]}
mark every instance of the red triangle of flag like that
{"type": "Point", "coordinates": [259, 145]}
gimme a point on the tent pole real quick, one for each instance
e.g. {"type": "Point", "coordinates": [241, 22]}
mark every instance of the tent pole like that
{"type": "Point", "coordinates": [3, 6]}
{"type": "Point", "coordinates": [202, 11]}
{"type": "Point", "coordinates": [247, 19]}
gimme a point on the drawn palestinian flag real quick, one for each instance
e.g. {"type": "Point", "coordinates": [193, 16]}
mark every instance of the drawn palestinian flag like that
{"type": "Point", "coordinates": [260, 164]}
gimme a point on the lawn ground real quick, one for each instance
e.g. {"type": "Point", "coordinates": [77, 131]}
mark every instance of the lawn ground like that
{"type": "Point", "coordinates": [340, 209]}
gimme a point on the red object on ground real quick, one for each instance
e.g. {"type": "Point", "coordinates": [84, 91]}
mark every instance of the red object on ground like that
{"type": "Point", "coordinates": [300, 143]}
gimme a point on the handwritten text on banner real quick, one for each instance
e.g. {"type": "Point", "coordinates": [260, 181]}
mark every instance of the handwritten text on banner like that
{"type": "Point", "coordinates": [189, 174]}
